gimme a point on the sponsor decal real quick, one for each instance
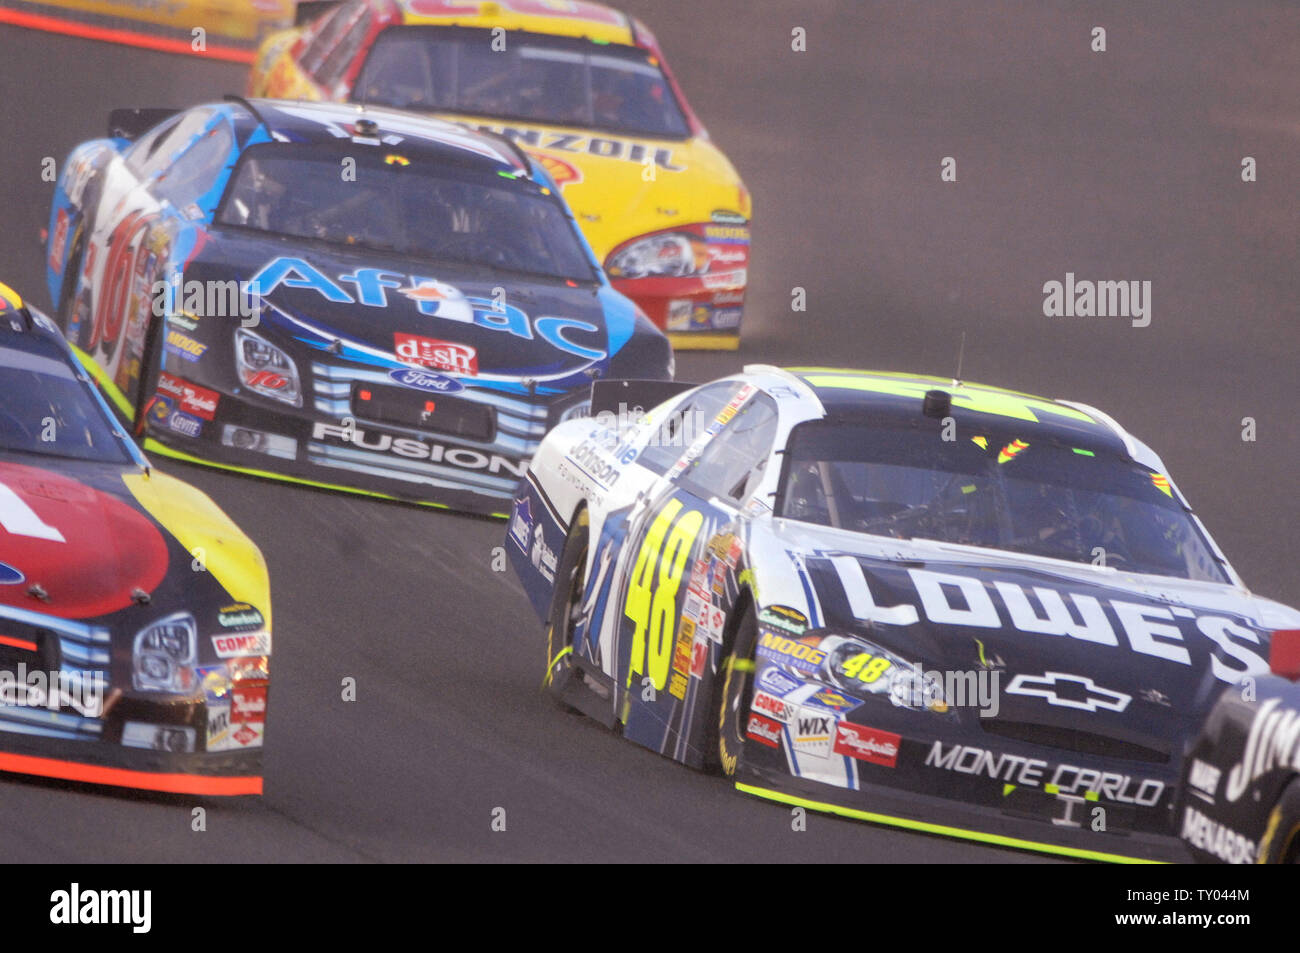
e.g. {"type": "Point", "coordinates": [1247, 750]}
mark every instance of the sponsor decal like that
{"type": "Point", "coordinates": [1204, 777]}
{"type": "Point", "coordinates": [812, 732]}
{"type": "Point", "coordinates": [773, 707]}
{"type": "Point", "coordinates": [683, 651]}
{"type": "Point", "coordinates": [521, 523]}
{"type": "Point", "coordinates": [542, 556]}
{"type": "Point", "coordinates": [1059, 779]}
{"type": "Point", "coordinates": [408, 447]}
{"type": "Point", "coordinates": [799, 654]}
{"type": "Point", "coordinates": [425, 380]}
{"type": "Point", "coordinates": [248, 704]}
{"type": "Point", "coordinates": [592, 457]}
{"type": "Point", "coordinates": [218, 724]}
{"type": "Point", "coordinates": [833, 700]}
{"type": "Point", "coordinates": [727, 233]}
{"type": "Point", "coordinates": [699, 658]}
{"type": "Point", "coordinates": [269, 380]}
{"type": "Point", "coordinates": [725, 217]}
{"type": "Point", "coordinates": [184, 347]}
{"type": "Point", "coordinates": [435, 353]}
{"type": "Point", "coordinates": [867, 744]}
{"type": "Point", "coordinates": [10, 576]}
{"type": "Point", "coordinates": [604, 147]}
{"type": "Point", "coordinates": [59, 240]}
{"type": "Point", "coordinates": [784, 618]}
{"type": "Point", "coordinates": [1069, 691]}
{"type": "Point", "coordinates": [371, 286]}
{"type": "Point", "coordinates": [440, 300]}
{"type": "Point", "coordinates": [1213, 838]}
{"type": "Point", "coordinates": [247, 643]}
{"type": "Point", "coordinates": [1158, 631]}
{"type": "Point", "coordinates": [564, 173]}
{"type": "Point", "coordinates": [777, 682]}
{"type": "Point", "coordinates": [763, 730]}
{"type": "Point", "coordinates": [1273, 743]}
{"type": "Point", "coordinates": [191, 398]}
{"type": "Point", "coordinates": [246, 735]}
{"type": "Point", "coordinates": [163, 412]}
{"type": "Point", "coordinates": [241, 613]}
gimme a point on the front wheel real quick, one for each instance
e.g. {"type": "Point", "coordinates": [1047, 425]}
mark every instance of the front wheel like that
{"type": "Point", "coordinates": [566, 603]}
{"type": "Point", "coordinates": [731, 712]}
{"type": "Point", "coordinates": [1282, 841]}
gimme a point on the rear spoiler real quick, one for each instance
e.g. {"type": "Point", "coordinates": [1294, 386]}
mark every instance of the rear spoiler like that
{"type": "Point", "coordinates": [133, 123]}
{"type": "Point", "coordinates": [630, 399]}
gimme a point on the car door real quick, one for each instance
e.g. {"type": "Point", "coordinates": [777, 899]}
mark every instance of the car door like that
{"type": "Point", "coordinates": [667, 616]}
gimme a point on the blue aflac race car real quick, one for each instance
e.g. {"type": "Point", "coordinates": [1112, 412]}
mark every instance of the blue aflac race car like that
{"type": "Point", "coordinates": [357, 299]}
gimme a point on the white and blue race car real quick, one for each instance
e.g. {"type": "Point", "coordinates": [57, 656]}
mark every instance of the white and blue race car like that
{"type": "Point", "coordinates": [920, 602]}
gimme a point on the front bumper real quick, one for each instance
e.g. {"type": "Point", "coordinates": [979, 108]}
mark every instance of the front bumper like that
{"type": "Point", "coordinates": [332, 444]}
{"type": "Point", "coordinates": [696, 313]}
{"type": "Point", "coordinates": [951, 774]}
{"type": "Point", "coordinates": [224, 773]}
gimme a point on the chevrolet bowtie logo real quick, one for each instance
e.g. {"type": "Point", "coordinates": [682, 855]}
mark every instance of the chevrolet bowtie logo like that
{"type": "Point", "coordinates": [1069, 691]}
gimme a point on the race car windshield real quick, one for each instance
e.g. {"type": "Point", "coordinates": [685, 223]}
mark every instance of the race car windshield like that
{"type": "Point", "coordinates": [523, 76]}
{"type": "Point", "coordinates": [46, 410]}
{"type": "Point", "coordinates": [391, 204]}
{"type": "Point", "coordinates": [997, 490]}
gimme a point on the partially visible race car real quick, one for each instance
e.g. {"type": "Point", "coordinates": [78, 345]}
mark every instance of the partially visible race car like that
{"type": "Point", "coordinates": [240, 21]}
{"type": "Point", "coordinates": [363, 300]}
{"type": "Point", "coordinates": [1241, 780]}
{"type": "Point", "coordinates": [949, 607]}
{"type": "Point", "coordinates": [586, 90]}
{"type": "Point", "coordinates": [135, 617]}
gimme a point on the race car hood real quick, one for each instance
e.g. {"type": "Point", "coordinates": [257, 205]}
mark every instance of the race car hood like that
{"type": "Point", "coordinates": [604, 179]}
{"type": "Point", "coordinates": [397, 311]}
{"type": "Point", "coordinates": [94, 539]}
{"type": "Point", "coordinates": [1079, 650]}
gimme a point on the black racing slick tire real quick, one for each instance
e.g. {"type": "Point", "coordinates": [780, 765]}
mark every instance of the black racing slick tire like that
{"type": "Point", "coordinates": [566, 603]}
{"type": "Point", "coordinates": [147, 383]}
{"type": "Point", "coordinates": [64, 307]}
{"type": "Point", "coordinates": [1282, 836]}
{"type": "Point", "coordinates": [733, 692]}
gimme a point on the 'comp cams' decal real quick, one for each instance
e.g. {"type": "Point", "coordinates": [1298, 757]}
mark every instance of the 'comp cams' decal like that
{"type": "Point", "coordinates": [432, 298]}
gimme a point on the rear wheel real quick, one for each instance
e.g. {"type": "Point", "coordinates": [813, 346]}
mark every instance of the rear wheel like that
{"type": "Point", "coordinates": [566, 604]}
{"type": "Point", "coordinates": [733, 691]}
{"type": "Point", "coordinates": [67, 304]}
{"type": "Point", "coordinates": [1283, 843]}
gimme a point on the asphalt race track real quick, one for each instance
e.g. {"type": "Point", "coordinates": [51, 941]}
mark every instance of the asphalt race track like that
{"type": "Point", "coordinates": [1120, 165]}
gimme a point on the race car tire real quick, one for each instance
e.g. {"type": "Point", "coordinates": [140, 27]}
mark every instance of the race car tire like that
{"type": "Point", "coordinates": [1282, 843]}
{"type": "Point", "coordinates": [148, 381]}
{"type": "Point", "coordinates": [732, 693]}
{"type": "Point", "coordinates": [570, 583]}
{"type": "Point", "coordinates": [67, 290]}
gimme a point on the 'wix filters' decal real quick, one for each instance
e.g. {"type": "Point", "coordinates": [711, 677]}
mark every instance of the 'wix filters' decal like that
{"type": "Point", "coordinates": [369, 287]}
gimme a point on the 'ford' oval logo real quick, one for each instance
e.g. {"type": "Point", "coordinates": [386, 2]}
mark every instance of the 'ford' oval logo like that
{"type": "Point", "coordinates": [426, 380]}
{"type": "Point", "coordinates": [9, 576]}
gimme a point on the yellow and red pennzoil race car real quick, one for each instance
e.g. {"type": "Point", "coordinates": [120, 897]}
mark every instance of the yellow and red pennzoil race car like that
{"type": "Point", "coordinates": [135, 617]}
{"type": "Point", "coordinates": [586, 90]}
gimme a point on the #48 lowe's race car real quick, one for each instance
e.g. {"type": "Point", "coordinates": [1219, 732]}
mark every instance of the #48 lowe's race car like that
{"type": "Point", "coordinates": [135, 617]}
{"type": "Point", "coordinates": [368, 301]}
{"type": "Point", "coordinates": [933, 604]}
